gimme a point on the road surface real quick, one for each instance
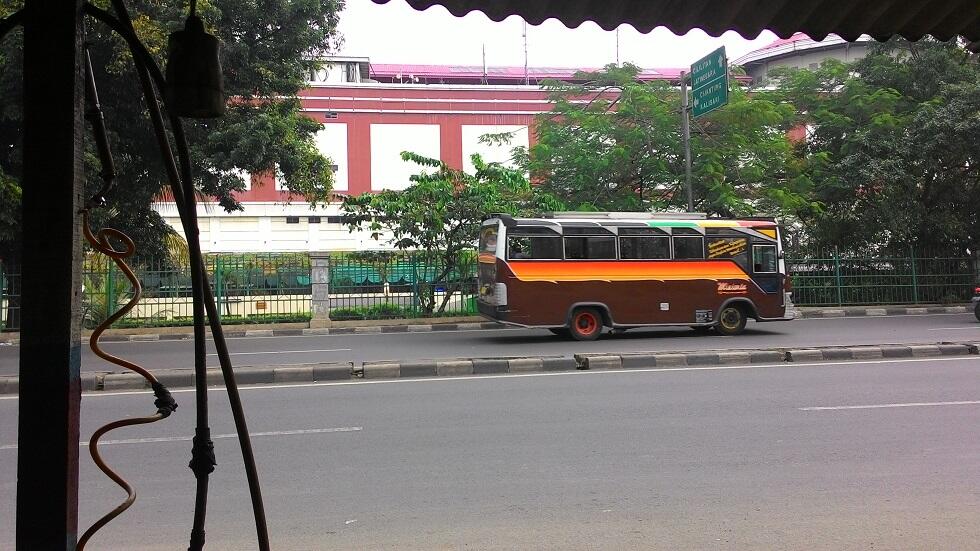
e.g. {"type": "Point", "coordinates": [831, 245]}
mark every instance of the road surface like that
{"type": "Point", "coordinates": [859, 455]}
{"type": "Point", "coordinates": [526, 342]}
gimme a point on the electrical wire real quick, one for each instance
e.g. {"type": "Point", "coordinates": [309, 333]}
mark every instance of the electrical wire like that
{"type": "Point", "coordinates": [183, 190]}
{"type": "Point", "coordinates": [202, 462]}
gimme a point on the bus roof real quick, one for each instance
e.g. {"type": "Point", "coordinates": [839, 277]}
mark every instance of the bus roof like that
{"type": "Point", "coordinates": [638, 219]}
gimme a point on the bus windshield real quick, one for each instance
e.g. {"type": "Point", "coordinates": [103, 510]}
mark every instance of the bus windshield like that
{"type": "Point", "coordinates": [488, 239]}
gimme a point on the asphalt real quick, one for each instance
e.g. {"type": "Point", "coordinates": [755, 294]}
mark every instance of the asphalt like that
{"type": "Point", "coordinates": [489, 343]}
{"type": "Point", "coordinates": [733, 457]}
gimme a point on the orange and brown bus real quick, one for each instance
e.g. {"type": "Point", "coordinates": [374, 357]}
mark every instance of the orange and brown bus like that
{"type": "Point", "coordinates": [577, 273]}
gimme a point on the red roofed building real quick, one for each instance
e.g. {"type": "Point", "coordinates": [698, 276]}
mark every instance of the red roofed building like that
{"type": "Point", "coordinates": [371, 113]}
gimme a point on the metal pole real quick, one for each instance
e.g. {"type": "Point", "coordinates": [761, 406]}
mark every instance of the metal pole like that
{"type": "Point", "coordinates": [50, 347]}
{"type": "Point", "coordinates": [219, 277]}
{"type": "Point", "coordinates": [686, 131]}
{"type": "Point", "coordinates": [915, 278]}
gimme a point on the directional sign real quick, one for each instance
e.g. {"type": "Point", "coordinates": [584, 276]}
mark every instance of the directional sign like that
{"type": "Point", "coordinates": [709, 82]}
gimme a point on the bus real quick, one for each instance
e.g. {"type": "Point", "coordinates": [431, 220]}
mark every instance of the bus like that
{"type": "Point", "coordinates": [580, 272]}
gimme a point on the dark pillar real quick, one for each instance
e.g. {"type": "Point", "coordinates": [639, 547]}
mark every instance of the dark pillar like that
{"type": "Point", "coordinates": [47, 466]}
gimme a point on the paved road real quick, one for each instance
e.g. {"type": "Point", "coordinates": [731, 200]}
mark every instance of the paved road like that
{"type": "Point", "coordinates": [525, 342]}
{"type": "Point", "coordinates": [689, 458]}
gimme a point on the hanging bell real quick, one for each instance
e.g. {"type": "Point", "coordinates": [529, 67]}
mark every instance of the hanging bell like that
{"type": "Point", "coordinates": [194, 88]}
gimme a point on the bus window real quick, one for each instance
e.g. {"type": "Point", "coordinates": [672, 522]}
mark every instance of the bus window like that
{"type": "Point", "coordinates": [634, 247]}
{"type": "Point", "coordinates": [764, 260]}
{"type": "Point", "coordinates": [524, 247]}
{"type": "Point", "coordinates": [730, 247]}
{"type": "Point", "coordinates": [688, 246]}
{"type": "Point", "coordinates": [590, 248]}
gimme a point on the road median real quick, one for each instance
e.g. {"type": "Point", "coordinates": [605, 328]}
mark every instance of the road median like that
{"type": "Point", "coordinates": [457, 367]}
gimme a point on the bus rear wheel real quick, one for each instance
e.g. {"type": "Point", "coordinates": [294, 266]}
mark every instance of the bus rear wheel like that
{"type": "Point", "coordinates": [586, 324]}
{"type": "Point", "coordinates": [731, 320]}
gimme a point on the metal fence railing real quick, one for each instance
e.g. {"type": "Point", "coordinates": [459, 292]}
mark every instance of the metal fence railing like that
{"type": "Point", "coordinates": [277, 287]}
{"type": "Point", "coordinates": [9, 297]}
{"type": "Point", "coordinates": [248, 288]}
{"type": "Point", "coordinates": [400, 284]}
{"type": "Point", "coordinates": [832, 278]}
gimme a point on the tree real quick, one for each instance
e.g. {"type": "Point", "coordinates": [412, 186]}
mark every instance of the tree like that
{"type": "Point", "coordinates": [268, 47]}
{"type": "Point", "coordinates": [614, 143]}
{"type": "Point", "coordinates": [439, 215]}
{"type": "Point", "coordinates": [893, 148]}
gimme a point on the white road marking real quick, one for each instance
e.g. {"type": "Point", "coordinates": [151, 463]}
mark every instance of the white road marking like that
{"type": "Point", "coordinates": [213, 437]}
{"type": "Point", "coordinates": [883, 406]}
{"type": "Point", "coordinates": [286, 352]}
{"type": "Point", "coordinates": [977, 328]}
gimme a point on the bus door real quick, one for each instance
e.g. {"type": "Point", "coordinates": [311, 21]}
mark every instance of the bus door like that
{"type": "Point", "coordinates": [765, 267]}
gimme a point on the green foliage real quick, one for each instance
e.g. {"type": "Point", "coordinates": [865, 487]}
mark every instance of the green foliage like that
{"type": "Point", "coordinates": [375, 312]}
{"type": "Point", "coordinates": [267, 50]}
{"type": "Point", "coordinates": [440, 213]}
{"type": "Point", "coordinates": [614, 143]}
{"type": "Point", "coordinates": [893, 151]}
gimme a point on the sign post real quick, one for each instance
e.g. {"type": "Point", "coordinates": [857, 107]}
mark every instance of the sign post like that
{"type": "Point", "coordinates": [709, 91]}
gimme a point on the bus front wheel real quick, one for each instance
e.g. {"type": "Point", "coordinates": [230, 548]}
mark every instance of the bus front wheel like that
{"type": "Point", "coordinates": [731, 320]}
{"type": "Point", "coordinates": [586, 324]}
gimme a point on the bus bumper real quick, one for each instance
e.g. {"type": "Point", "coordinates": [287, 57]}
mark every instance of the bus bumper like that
{"type": "Point", "coordinates": [495, 313]}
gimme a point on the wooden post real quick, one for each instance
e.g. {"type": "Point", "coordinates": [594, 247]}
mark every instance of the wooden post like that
{"type": "Point", "coordinates": [47, 466]}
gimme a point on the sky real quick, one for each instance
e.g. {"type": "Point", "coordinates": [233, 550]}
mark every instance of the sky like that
{"type": "Point", "coordinates": [396, 33]}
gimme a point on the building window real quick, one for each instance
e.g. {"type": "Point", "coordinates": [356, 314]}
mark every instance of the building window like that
{"type": "Point", "coordinates": [313, 219]}
{"type": "Point", "coordinates": [335, 220]}
{"type": "Point", "coordinates": [292, 219]}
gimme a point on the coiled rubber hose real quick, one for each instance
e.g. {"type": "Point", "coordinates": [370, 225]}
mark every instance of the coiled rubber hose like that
{"type": "Point", "coordinates": [164, 401]}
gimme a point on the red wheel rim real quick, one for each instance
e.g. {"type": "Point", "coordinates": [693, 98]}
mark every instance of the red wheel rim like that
{"type": "Point", "coordinates": [586, 323]}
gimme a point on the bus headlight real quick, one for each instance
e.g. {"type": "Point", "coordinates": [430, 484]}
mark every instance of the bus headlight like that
{"type": "Point", "coordinates": [500, 294]}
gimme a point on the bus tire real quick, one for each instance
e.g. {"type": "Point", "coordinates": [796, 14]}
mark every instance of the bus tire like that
{"type": "Point", "coordinates": [586, 324]}
{"type": "Point", "coordinates": [731, 320]}
{"type": "Point", "coordinates": [976, 311]}
{"type": "Point", "coordinates": [560, 331]}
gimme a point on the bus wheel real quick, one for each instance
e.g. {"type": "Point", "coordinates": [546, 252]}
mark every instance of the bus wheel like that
{"type": "Point", "coordinates": [731, 320]}
{"type": "Point", "coordinates": [586, 324]}
{"type": "Point", "coordinates": [560, 331]}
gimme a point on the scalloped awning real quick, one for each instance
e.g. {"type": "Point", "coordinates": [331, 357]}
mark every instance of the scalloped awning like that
{"type": "Point", "coordinates": [849, 19]}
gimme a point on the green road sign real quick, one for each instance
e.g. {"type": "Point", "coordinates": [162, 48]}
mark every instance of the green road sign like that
{"type": "Point", "coordinates": [709, 82]}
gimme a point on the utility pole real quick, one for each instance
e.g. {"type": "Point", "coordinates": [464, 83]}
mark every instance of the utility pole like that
{"type": "Point", "coordinates": [527, 79]}
{"type": "Point", "coordinates": [617, 46]}
{"type": "Point", "coordinates": [50, 357]}
{"type": "Point", "coordinates": [686, 131]}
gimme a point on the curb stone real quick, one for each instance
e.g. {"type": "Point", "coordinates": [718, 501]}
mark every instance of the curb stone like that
{"type": "Point", "coordinates": [454, 367]}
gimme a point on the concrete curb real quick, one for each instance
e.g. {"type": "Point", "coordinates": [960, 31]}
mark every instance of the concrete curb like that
{"type": "Point", "coordinates": [863, 311]}
{"type": "Point", "coordinates": [289, 330]}
{"type": "Point", "coordinates": [455, 367]}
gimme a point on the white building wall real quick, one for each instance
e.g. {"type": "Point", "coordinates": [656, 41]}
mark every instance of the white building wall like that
{"type": "Point", "coordinates": [471, 134]}
{"type": "Point", "coordinates": [388, 170]}
{"type": "Point", "coordinates": [263, 227]}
